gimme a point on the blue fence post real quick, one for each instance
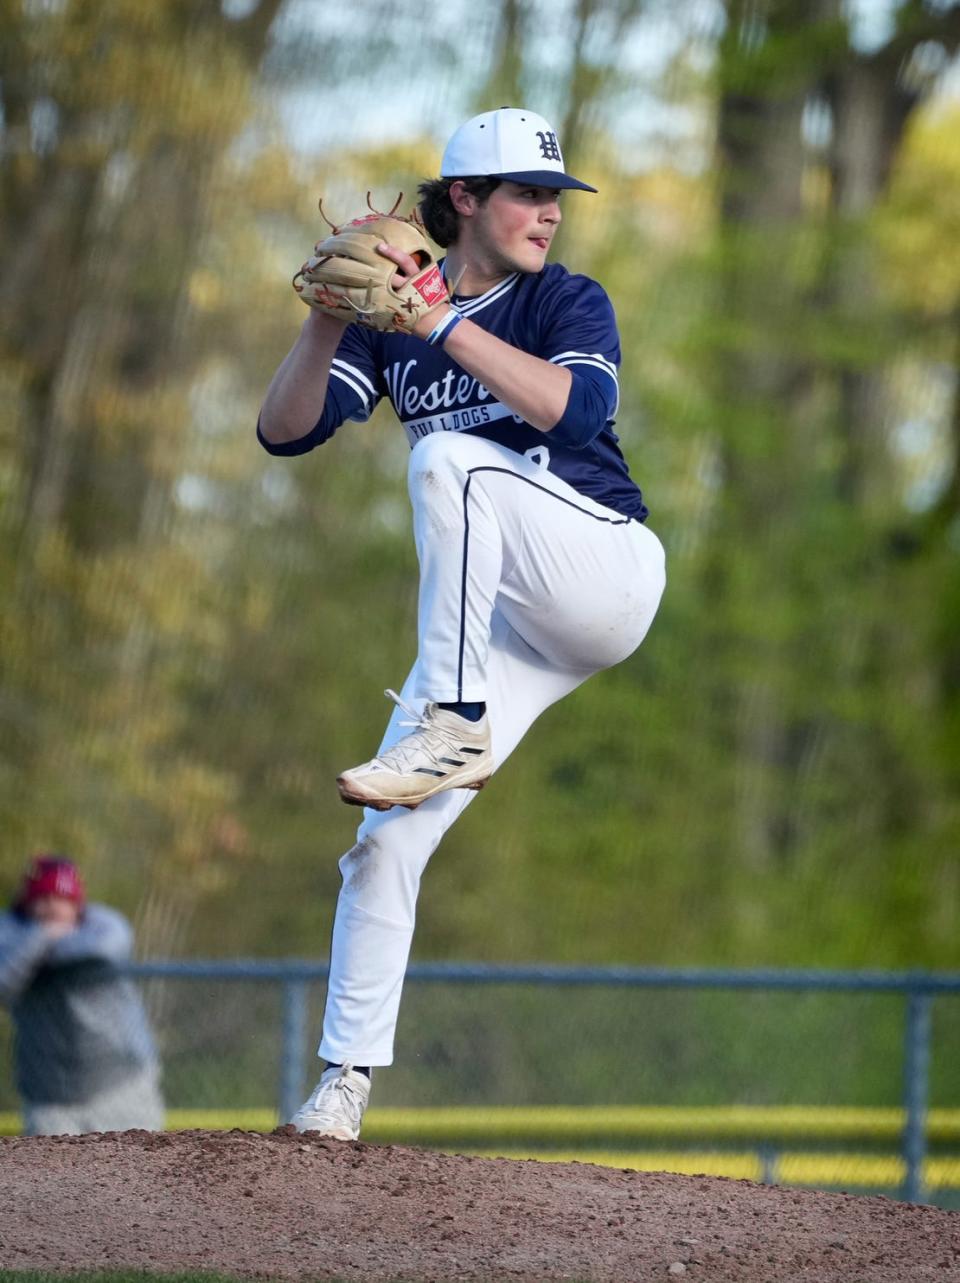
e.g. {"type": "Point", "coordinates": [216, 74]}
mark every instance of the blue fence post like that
{"type": "Point", "coordinates": [293, 1039]}
{"type": "Point", "coordinates": [916, 1072]}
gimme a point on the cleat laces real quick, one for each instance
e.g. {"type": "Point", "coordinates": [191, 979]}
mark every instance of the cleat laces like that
{"type": "Point", "coordinates": [339, 1096]}
{"type": "Point", "coordinates": [406, 756]}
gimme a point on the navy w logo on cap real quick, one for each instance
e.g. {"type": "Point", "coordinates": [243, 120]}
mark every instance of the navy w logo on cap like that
{"type": "Point", "coordinates": [509, 143]}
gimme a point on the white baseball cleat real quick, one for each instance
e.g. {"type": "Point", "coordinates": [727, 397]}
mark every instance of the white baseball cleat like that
{"type": "Point", "coordinates": [444, 751]}
{"type": "Point", "coordinates": [335, 1106]}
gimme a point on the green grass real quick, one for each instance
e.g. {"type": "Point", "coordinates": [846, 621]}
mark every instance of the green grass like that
{"type": "Point", "coordinates": [129, 1276]}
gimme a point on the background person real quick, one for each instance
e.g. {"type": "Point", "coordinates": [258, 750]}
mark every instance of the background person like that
{"type": "Point", "coordinates": [84, 1053]}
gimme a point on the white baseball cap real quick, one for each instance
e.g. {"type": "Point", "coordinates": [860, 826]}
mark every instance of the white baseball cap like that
{"type": "Point", "coordinates": [508, 143]}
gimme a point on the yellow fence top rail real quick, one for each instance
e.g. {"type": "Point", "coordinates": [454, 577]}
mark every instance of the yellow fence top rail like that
{"type": "Point", "coordinates": [732, 1122]}
{"type": "Point", "coordinates": [554, 1125]}
{"type": "Point", "coordinates": [837, 1170]}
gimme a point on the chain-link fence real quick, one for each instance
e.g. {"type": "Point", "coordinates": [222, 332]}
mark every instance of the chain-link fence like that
{"type": "Point", "coordinates": [827, 1079]}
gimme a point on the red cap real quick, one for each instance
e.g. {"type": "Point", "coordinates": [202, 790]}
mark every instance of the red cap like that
{"type": "Point", "coordinates": [51, 875]}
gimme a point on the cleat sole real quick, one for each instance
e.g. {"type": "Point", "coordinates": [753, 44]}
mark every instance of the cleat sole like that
{"type": "Point", "coordinates": [353, 798]}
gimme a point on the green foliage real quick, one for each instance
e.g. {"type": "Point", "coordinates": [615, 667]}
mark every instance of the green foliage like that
{"type": "Point", "coordinates": [195, 636]}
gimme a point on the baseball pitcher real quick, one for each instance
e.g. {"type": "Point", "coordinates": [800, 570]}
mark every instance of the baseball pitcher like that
{"type": "Point", "coordinates": [536, 566]}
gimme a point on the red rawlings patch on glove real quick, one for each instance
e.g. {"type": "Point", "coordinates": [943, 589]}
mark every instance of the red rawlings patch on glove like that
{"type": "Point", "coordinates": [430, 286]}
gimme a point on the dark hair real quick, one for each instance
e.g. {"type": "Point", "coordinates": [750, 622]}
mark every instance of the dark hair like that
{"type": "Point", "coordinates": [436, 208]}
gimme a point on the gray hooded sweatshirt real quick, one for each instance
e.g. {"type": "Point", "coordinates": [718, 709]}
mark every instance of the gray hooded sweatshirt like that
{"type": "Point", "coordinates": [80, 1025]}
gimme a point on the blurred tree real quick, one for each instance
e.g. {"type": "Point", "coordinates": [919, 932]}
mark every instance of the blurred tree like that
{"type": "Point", "coordinates": [809, 128]}
{"type": "Point", "coordinates": [115, 116]}
{"type": "Point", "coordinates": [194, 635]}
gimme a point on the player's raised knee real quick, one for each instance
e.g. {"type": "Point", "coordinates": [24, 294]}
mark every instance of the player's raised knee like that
{"type": "Point", "coordinates": [437, 462]}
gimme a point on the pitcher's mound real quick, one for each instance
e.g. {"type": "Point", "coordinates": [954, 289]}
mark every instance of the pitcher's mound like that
{"type": "Point", "coordinates": [299, 1207]}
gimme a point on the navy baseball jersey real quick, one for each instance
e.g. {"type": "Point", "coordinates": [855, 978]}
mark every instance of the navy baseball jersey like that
{"type": "Point", "coordinates": [560, 317]}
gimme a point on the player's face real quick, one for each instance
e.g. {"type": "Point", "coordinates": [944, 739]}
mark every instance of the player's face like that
{"type": "Point", "coordinates": [514, 227]}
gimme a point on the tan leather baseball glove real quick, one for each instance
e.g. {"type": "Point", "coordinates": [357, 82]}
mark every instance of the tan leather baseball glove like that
{"type": "Point", "coordinates": [347, 277]}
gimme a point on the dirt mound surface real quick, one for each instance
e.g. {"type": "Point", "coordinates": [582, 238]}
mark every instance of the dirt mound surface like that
{"type": "Point", "coordinates": [300, 1207]}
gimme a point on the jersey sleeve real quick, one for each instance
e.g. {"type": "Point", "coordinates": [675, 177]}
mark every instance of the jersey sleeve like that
{"type": "Point", "coordinates": [354, 388]}
{"type": "Point", "coordinates": [356, 378]}
{"type": "Point", "coordinates": [579, 332]}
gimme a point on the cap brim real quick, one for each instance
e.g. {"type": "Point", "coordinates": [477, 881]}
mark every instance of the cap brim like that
{"type": "Point", "coordinates": [547, 178]}
{"type": "Point", "coordinates": [539, 178]}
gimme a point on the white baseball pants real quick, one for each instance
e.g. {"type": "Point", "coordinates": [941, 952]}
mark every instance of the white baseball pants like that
{"type": "Point", "coordinates": [526, 589]}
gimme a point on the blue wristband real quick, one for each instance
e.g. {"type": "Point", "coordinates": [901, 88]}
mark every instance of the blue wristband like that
{"type": "Point", "coordinates": [443, 328]}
